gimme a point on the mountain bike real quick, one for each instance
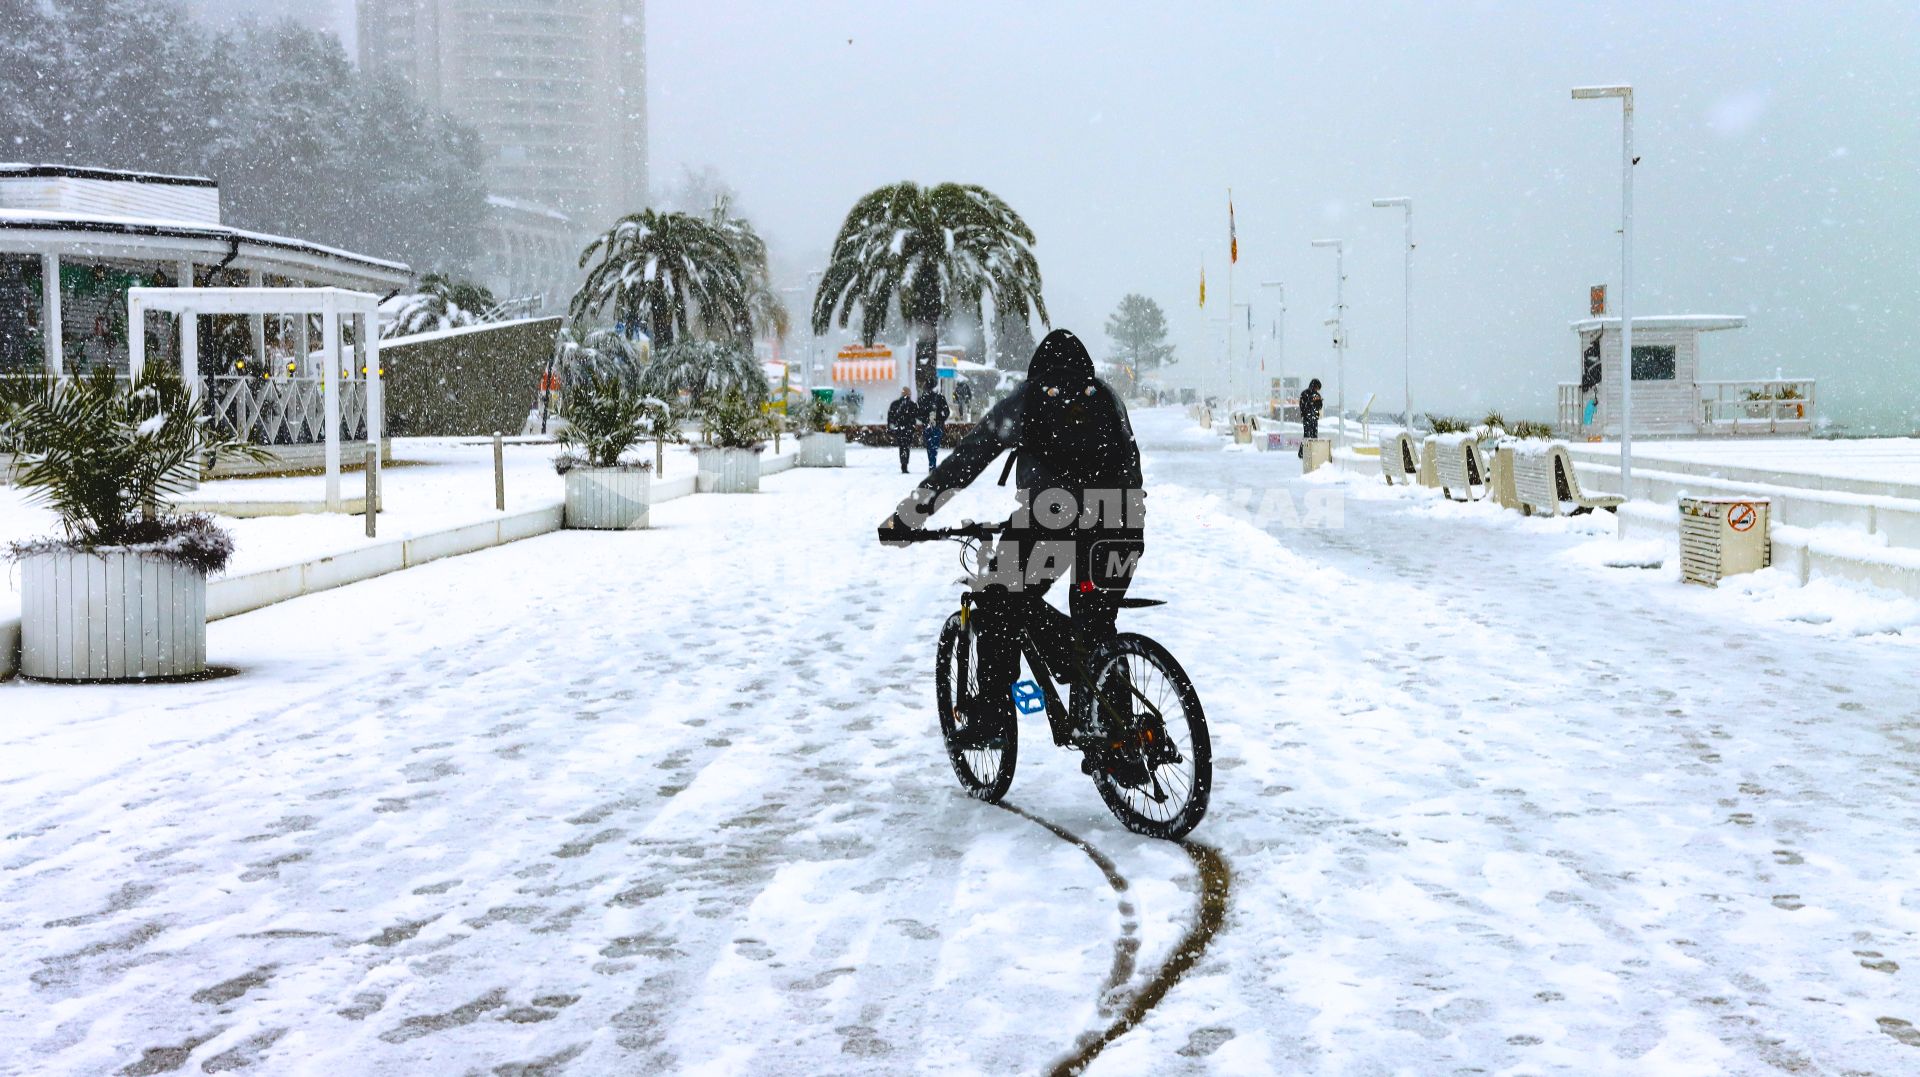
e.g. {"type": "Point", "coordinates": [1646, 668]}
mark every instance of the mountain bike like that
{"type": "Point", "coordinates": [1134, 715]}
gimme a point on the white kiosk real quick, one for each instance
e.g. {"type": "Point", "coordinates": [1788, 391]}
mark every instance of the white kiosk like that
{"type": "Point", "coordinates": [1669, 398]}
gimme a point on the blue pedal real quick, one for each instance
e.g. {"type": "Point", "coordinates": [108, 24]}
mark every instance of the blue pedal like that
{"type": "Point", "coordinates": [1028, 698]}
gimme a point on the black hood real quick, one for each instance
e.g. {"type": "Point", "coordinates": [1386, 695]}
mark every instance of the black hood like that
{"type": "Point", "coordinates": [1064, 414]}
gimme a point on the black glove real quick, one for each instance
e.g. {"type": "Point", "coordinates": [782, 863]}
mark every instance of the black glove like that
{"type": "Point", "coordinates": [893, 532]}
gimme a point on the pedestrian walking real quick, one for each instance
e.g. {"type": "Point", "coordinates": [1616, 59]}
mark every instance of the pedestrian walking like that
{"type": "Point", "coordinates": [963, 401]}
{"type": "Point", "coordinates": [1310, 404]}
{"type": "Point", "coordinates": [934, 412]}
{"type": "Point", "coordinates": [903, 416]}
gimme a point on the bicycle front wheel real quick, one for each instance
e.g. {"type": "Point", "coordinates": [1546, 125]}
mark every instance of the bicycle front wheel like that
{"type": "Point", "coordinates": [1156, 770]}
{"type": "Point", "coordinates": [984, 765]}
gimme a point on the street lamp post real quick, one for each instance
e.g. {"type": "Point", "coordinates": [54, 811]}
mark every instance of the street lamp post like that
{"type": "Point", "coordinates": [1625, 94]}
{"type": "Point", "coordinates": [1280, 345]}
{"type": "Point", "coordinates": [813, 338]}
{"type": "Point", "coordinates": [1339, 326]}
{"type": "Point", "coordinates": [1406, 317]}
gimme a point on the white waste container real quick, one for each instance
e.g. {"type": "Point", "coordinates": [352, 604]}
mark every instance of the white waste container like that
{"type": "Point", "coordinates": [1723, 536]}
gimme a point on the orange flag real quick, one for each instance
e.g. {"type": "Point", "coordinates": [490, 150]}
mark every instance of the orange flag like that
{"type": "Point", "coordinates": [1233, 236]}
{"type": "Point", "coordinates": [1203, 285]}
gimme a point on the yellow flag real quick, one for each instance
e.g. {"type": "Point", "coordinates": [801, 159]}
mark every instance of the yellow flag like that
{"type": "Point", "coordinates": [1203, 286]}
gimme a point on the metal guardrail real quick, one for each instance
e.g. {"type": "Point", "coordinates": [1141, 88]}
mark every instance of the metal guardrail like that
{"type": "Point", "coordinates": [1773, 405]}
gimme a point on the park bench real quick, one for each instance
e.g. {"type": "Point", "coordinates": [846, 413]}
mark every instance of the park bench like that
{"type": "Point", "coordinates": [1458, 465]}
{"type": "Point", "coordinates": [1544, 479]}
{"type": "Point", "coordinates": [1399, 460]}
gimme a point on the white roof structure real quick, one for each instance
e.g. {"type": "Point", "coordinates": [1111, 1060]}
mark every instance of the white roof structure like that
{"type": "Point", "coordinates": [1699, 322]}
{"type": "Point", "coordinates": [331, 304]}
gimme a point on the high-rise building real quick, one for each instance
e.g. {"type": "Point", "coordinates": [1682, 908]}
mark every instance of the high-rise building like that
{"type": "Point", "coordinates": [556, 88]}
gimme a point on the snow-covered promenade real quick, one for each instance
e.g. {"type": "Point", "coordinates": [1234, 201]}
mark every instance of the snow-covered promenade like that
{"type": "Point", "coordinates": [674, 801]}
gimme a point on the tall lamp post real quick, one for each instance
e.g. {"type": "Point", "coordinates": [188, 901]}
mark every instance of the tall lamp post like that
{"type": "Point", "coordinates": [1339, 326]}
{"type": "Point", "coordinates": [1625, 94]}
{"type": "Point", "coordinates": [1280, 345]}
{"type": "Point", "coordinates": [1406, 317]}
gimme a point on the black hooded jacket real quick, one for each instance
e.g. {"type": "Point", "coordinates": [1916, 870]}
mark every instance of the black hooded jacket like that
{"type": "Point", "coordinates": [1068, 429]}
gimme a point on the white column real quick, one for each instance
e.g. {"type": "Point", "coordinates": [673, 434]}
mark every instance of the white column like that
{"type": "Point", "coordinates": [190, 353]}
{"type": "Point", "coordinates": [136, 339]}
{"type": "Point", "coordinates": [258, 323]}
{"type": "Point", "coordinates": [1626, 294]}
{"type": "Point", "coordinates": [303, 346]}
{"type": "Point", "coordinates": [52, 337]}
{"type": "Point", "coordinates": [376, 409]}
{"type": "Point", "coordinates": [330, 379]}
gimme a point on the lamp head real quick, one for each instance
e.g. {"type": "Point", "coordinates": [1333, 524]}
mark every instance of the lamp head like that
{"type": "Point", "coordinates": [1584, 93]}
{"type": "Point", "coordinates": [1334, 243]}
{"type": "Point", "coordinates": [1388, 203]}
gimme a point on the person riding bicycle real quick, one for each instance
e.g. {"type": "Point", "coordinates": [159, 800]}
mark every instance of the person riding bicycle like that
{"type": "Point", "coordinates": [1082, 508]}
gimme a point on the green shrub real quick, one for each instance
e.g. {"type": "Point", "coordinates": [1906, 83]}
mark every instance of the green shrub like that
{"type": "Point", "coordinates": [606, 417]}
{"type": "Point", "coordinates": [732, 420]}
{"type": "Point", "coordinates": [105, 457]}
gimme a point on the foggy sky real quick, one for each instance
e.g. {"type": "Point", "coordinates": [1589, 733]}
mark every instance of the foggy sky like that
{"type": "Point", "coordinates": [1779, 147]}
{"type": "Point", "coordinates": [1780, 171]}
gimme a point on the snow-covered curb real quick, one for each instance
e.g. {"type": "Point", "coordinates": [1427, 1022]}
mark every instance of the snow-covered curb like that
{"type": "Point", "coordinates": [232, 595]}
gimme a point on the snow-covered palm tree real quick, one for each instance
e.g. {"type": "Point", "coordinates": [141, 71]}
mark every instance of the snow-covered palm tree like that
{"type": "Point", "coordinates": [920, 255]}
{"type": "Point", "coordinates": [765, 311]}
{"type": "Point", "coordinates": [704, 368]}
{"type": "Point", "coordinates": [671, 275]}
{"type": "Point", "coordinates": [441, 303]}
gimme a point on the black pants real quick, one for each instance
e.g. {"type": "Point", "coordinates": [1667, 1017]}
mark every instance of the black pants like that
{"type": "Point", "coordinates": [1310, 427]}
{"type": "Point", "coordinates": [906, 452]}
{"type": "Point", "coordinates": [1064, 641]}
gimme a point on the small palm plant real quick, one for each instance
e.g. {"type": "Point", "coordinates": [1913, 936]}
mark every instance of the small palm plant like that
{"type": "Point", "coordinates": [441, 303]}
{"type": "Point", "coordinates": [606, 417]}
{"type": "Point", "coordinates": [105, 458]}
{"type": "Point", "coordinates": [702, 369]}
{"type": "Point", "coordinates": [819, 416]}
{"type": "Point", "coordinates": [733, 420]}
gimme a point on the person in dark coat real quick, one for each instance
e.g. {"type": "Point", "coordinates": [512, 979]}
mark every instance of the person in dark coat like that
{"type": "Point", "coordinates": [1082, 511]}
{"type": "Point", "coordinates": [934, 412]}
{"type": "Point", "coordinates": [1310, 405]}
{"type": "Point", "coordinates": [903, 415]}
{"type": "Point", "coordinates": [963, 401]}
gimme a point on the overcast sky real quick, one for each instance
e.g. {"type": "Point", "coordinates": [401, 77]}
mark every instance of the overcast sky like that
{"type": "Point", "coordinates": [1780, 148]}
{"type": "Point", "coordinates": [1780, 145]}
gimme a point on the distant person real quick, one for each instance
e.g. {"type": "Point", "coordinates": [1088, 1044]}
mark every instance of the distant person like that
{"type": "Point", "coordinates": [963, 400]}
{"type": "Point", "coordinates": [903, 415]}
{"type": "Point", "coordinates": [934, 412]}
{"type": "Point", "coordinates": [1310, 404]}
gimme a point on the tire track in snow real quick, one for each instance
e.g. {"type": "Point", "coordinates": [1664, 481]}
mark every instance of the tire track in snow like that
{"type": "Point", "coordinates": [1216, 886]}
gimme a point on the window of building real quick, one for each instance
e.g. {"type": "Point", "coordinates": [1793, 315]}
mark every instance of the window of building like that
{"type": "Point", "coordinates": [1654, 362]}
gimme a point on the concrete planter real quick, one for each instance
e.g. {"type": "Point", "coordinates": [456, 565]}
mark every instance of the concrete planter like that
{"type": "Point", "coordinates": [111, 616]}
{"type": "Point", "coordinates": [608, 498]}
{"type": "Point", "coordinates": [728, 471]}
{"type": "Point", "coordinates": [823, 450]}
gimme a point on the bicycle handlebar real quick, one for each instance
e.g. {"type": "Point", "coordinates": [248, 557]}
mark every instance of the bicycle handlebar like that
{"type": "Point", "coordinates": [968, 530]}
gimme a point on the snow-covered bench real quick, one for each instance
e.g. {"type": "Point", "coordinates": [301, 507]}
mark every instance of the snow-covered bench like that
{"type": "Point", "coordinates": [1458, 465]}
{"type": "Point", "coordinates": [1544, 479]}
{"type": "Point", "coordinates": [1399, 460]}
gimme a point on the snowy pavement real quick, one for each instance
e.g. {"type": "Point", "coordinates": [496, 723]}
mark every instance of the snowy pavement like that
{"type": "Point", "coordinates": [674, 801]}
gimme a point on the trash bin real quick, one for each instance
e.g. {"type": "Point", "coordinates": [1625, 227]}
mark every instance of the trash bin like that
{"type": "Point", "coordinates": [1314, 453]}
{"type": "Point", "coordinates": [1723, 536]}
{"type": "Point", "coordinates": [1243, 433]}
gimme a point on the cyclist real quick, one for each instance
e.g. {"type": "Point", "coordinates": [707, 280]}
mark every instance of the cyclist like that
{"type": "Point", "coordinates": [1082, 510]}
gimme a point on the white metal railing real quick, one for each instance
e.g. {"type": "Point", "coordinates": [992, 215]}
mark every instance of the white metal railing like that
{"type": "Point", "coordinates": [285, 410]}
{"type": "Point", "coordinates": [1569, 408]}
{"type": "Point", "coordinates": [1773, 405]}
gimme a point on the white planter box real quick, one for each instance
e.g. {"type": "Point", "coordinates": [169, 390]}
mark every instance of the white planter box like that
{"type": "Point", "coordinates": [823, 450]}
{"type": "Point", "coordinates": [728, 471]}
{"type": "Point", "coordinates": [111, 616]}
{"type": "Point", "coordinates": [608, 498]}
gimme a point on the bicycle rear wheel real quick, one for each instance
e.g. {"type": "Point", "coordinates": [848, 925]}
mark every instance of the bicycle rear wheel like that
{"type": "Point", "coordinates": [1156, 767]}
{"type": "Point", "coordinates": [985, 770]}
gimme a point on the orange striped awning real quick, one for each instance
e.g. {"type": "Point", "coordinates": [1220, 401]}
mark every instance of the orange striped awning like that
{"type": "Point", "coordinates": [864, 370]}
